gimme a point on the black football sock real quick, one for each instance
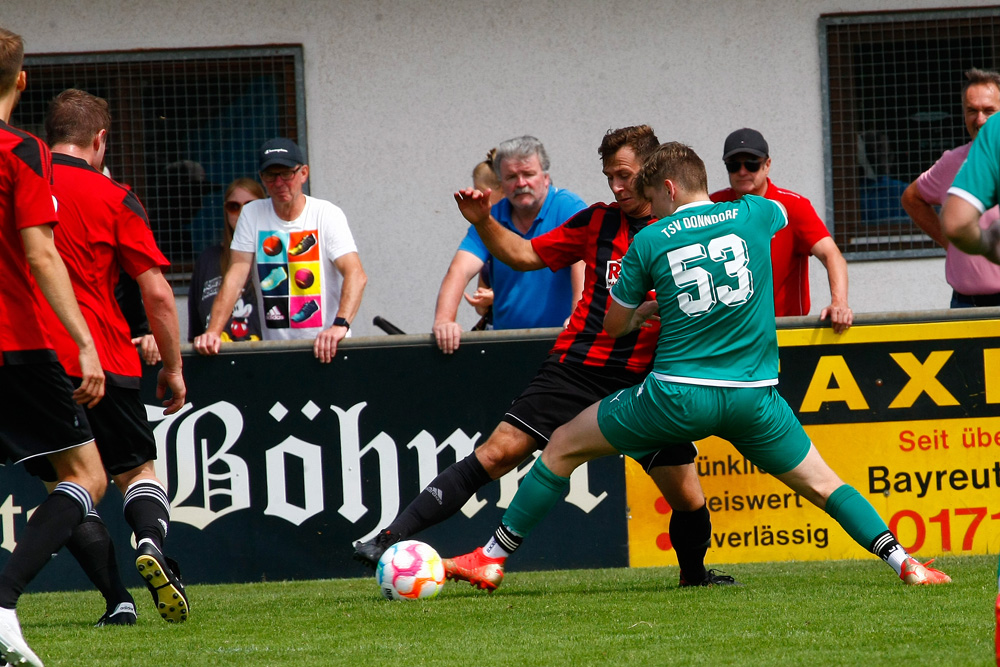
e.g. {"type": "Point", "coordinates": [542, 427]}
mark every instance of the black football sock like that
{"type": "Point", "coordinates": [147, 511]}
{"type": "Point", "coordinates": [444, 496]}
{"type": "Point", "coordinates": [691, 535]}
{"type": "Point", "coordinates": [93, 549]}
{"type": "Point", "coordinates": [48, 529]}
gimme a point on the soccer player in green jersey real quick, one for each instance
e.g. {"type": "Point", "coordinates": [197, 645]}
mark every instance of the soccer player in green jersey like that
{"type": "Point", "coordinates": [715, 370]}
{"type": "Point", "coordinates": [975, 189]}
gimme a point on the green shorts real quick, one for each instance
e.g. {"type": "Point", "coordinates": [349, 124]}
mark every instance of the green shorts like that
{"type": "Point", "coordinates": [757, 420]}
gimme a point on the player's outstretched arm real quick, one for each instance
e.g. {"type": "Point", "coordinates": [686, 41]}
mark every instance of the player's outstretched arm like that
{"type": "Point", "coordinates": [838, 312]}
{"type": "Point", "coordinates": [960, 220]}
{"type": "Point", "coordinates": [161, 311]}
{"type": "Point", "coordinates": [50, 274]}
{"type": "Point", "coordinates": [511, 249]}
{"type": "Point", "coordinates": [222, 308]}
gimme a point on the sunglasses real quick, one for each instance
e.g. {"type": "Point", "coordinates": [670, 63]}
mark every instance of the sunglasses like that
{"type": "Point", "coordinates": [233, 206]}
{"type": "Point", "coordinates": [753, 166]}
{"type": "Point", "coordinates": [285, 175]}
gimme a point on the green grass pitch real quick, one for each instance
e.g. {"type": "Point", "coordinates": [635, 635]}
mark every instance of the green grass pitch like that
{"type": "Point", "coordinates": [815, 613]}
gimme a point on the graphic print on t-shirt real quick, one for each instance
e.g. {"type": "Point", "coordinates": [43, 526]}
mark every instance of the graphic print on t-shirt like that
{"type": "Point", "coordinates": [290, 279]}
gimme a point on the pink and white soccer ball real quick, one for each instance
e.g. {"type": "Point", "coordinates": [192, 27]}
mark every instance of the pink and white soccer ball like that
{"type": "Point", "coordinates": [410, 570]}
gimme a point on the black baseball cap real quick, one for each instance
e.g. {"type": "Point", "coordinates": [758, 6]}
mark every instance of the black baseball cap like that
{"type": "Point", "coordinates": [745, 141]}
{"type": "Point", "coordinates": [284, 152]}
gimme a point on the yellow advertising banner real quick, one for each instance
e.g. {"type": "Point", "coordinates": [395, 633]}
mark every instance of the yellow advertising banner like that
{"type": "Point", "coordinates": [908, 414]}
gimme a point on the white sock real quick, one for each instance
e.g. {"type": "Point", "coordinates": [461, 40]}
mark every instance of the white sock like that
{"type": "Point", "coordinates": [896, 559]}
{"type": "Point", "coordinates": [494, 550]}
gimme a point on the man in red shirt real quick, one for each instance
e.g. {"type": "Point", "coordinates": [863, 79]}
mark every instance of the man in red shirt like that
{"type": "Point", "coordinates": [749, 164]}
{"type": "Point", "coordinates": [41, 416]}
{"type": "Point", "coordinates": [102, 230]}
{"type": "Point", "coordinates": [584, 366]}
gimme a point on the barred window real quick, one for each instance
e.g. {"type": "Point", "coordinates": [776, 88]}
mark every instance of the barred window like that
{"type": "Point", "coordinates": [892, 87]}
{"type": "Point", "coordinates": [185, 123]}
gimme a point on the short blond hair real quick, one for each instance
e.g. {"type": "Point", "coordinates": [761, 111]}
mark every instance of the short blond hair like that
{"type": "Point", "coordinates": [11, 59]}
{"type": "Point", "coordinates": [676, 162]}
{"type": "Point", "coordinates": [484, 173]}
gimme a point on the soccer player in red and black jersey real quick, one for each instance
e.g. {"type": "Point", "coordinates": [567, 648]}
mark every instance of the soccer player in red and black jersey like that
{"type": "Point", "coordinates": [41, 417]}
{"type": "Point", "coordinates": [585, 365]}
{"type": "Point", "coordinates": [103, 229]}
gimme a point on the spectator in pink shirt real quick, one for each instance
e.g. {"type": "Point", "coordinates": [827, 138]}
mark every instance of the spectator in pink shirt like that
{"type": "Point", "coordinates": [975, 281]}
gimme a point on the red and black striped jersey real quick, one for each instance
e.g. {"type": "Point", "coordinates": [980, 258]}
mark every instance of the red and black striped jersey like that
{"type": "Point", "coordinates": [103, 229]}
{"type": "Point", "coordinates": [25, 201]}
{"type": "Point", "coordinates": [600, 236]}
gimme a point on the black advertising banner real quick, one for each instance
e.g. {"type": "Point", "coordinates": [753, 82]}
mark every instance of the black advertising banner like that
{"type": "Point", "coordinates": [278, 463]}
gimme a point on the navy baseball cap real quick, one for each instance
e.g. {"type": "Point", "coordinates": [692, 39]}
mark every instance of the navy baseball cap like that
{"type": "Point", "coordinates": [745, 141]}
{"type": "Point", "coordinates": [284, 152]}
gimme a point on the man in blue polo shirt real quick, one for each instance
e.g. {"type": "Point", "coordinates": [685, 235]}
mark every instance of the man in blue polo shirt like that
{"type": "Point", "coordinates": [531, 206]}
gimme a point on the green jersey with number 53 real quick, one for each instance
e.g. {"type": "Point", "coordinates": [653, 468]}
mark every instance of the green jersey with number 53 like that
{"type": "Point", "coordinates": [710, 265]}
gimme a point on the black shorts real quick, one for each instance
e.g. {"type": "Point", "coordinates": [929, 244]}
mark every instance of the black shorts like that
{"type": "Point", "coordinates": [561, 391]}
{"type": "Point", "coordinates": [123, 434]}
{"type": "Point", "coordinates": [38, 415]}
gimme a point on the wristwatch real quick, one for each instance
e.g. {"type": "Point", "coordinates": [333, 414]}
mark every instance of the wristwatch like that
{"type": "Point", "coordinates": [341, 322]}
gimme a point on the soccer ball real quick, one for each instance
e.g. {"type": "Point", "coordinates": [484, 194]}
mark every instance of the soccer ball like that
{"type": "Point", "coordinates": [410, 570]}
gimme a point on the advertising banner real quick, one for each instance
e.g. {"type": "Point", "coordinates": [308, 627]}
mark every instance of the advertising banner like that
{"type": "Point", "coordinates": [908, 414]}
{"type": "Point", "coordinates": [278, 463]}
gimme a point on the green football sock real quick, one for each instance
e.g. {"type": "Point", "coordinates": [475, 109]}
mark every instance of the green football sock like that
{"type": "Point", "coordinates": [856, 515]}
{"type": "Point", "coordinates": [539, 491]}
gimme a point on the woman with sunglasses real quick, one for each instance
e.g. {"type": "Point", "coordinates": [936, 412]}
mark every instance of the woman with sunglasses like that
{"type": "Point", "coordinates": [244, 324]}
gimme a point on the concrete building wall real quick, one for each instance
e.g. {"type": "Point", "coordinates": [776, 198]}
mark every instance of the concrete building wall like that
{"type": "Point", "coordinates": [404, 97]}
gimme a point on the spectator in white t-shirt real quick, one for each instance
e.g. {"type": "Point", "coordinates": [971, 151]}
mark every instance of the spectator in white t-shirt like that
{"type": "Point", "coordinates": [307, 272]}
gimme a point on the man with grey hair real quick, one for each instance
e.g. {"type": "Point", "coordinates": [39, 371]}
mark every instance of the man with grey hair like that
{"type": "Point", "coordinates": [975, 281]}
{"type": "Point", "coordinates": [531, 206]}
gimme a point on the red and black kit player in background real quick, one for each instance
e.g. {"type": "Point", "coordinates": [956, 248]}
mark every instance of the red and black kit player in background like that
{"type": "Point", "coordinates": [41, 417]}
{"type": "Point", "coordinates": [103, 230]}
{"type": "Point", "coordinates": [585, 365]}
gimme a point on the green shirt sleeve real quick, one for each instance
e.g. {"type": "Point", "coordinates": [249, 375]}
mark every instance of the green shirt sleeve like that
{"type": "Point", "coordinates": [978, 180]}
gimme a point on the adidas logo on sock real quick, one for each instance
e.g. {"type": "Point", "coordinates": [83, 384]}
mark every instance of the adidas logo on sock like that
{"type": "Point", "coordinates": [436, 493]}
{"type": "Point", "coordinates": [274, 314]}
